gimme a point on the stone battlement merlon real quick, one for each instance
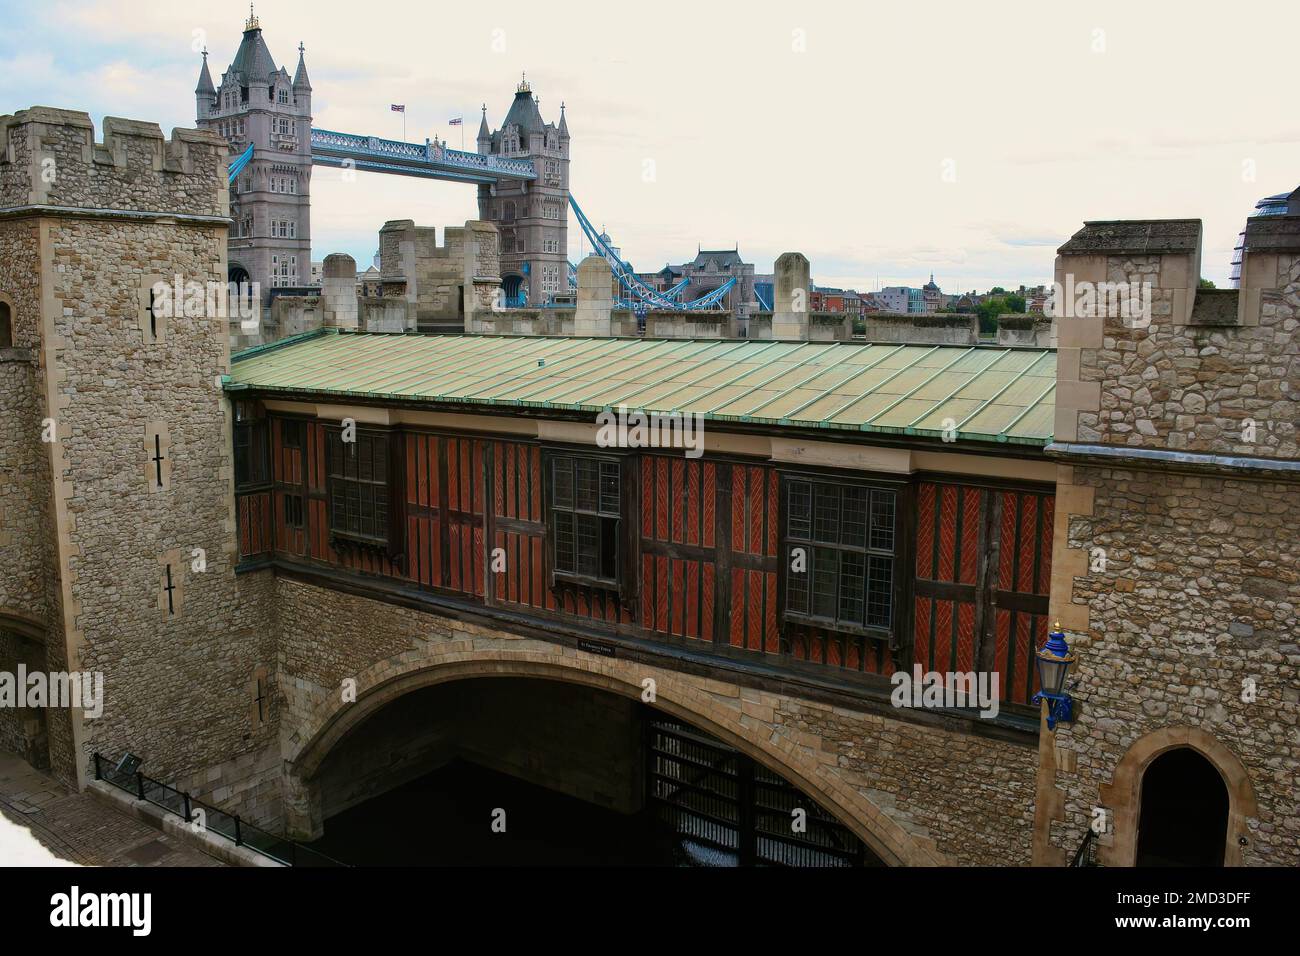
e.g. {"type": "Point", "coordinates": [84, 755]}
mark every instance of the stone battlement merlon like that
{"type": "Point", "coordinates": [1185, 371]}
{"type": "Point", "coordinates": [49, 157]}
{"type": "Point", "coordinates": [1136, 237]}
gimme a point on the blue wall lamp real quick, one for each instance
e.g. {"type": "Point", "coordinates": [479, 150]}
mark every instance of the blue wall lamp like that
{"type": "Point", "coordinates": [1054, 660]}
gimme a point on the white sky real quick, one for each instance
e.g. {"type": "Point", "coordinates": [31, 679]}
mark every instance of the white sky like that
{"type": "Point", "coordinates": [837, 151]}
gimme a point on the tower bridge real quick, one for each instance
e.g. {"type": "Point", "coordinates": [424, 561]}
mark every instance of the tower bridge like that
{"type": "Point", "coordinates": [521, 171]}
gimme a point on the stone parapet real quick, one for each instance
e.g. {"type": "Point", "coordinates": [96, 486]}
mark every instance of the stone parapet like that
{"type": "Point", "coordinates": [49, 157]}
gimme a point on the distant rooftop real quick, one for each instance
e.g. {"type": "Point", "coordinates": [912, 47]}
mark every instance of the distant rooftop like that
{"type": "Point", "coordinates": [989, 394]}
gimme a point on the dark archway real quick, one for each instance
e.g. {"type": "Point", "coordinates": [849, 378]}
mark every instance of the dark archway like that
{"type": "Point", "coordinates": [6, 326]}
{"type": "Point", "coordinates": [579, 776]}
{"type": "Point", "coordinates": [237, 273]}
{"type": "Point", "coordinates": [512, 286]}
{"type": "Point", "coordinates": [1184, 812]}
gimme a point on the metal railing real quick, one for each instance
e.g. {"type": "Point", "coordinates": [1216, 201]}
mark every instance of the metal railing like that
{"type": "Point", "coordinates": [351, 143]}
{"type": "Point", "coordinates": [211, 819]}
{"type": "Point", "coordinates": [1086, 855]}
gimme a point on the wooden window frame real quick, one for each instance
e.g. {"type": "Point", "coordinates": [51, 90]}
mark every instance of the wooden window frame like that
{"type": "Point", "coordinates": [622, 582]}
{"type": "Point", "coordinates": [251, 432]}
{"type": "Point", "coordinates": [390, 542]}
{"type": "Point", "coordinates": [895, 633]}
{"type": "Point", "coordinates": [294, 510]}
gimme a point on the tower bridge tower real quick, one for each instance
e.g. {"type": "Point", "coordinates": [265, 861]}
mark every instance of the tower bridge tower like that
{"type": "Point", "coordinates": [532, 216]}
{"type": "Point", "coordinates": [270, 202]}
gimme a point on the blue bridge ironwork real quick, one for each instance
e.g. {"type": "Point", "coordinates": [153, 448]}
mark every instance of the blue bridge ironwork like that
{"type": "Point", "coordinates": [430, 160]}
{"type": "Point", "coordinates": [638, 295]}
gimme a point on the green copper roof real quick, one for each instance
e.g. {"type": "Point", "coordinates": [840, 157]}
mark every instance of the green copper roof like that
{"type": "Point", "coordinates": [985, 393]}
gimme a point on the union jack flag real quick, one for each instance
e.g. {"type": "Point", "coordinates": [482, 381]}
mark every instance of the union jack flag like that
{"type": "Point", "coordinates": [398, 107]}
{"type": "Point", "coordinates": [454, 122]}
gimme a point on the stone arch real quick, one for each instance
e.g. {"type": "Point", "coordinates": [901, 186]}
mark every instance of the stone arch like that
{"type": "Point", "coordinates": [1123, 795]}
{"type": "Point", "coordinates": [676, 695]}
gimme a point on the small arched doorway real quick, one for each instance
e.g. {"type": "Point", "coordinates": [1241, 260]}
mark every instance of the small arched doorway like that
{"type": "Point", "coordinates": [1183, 817]}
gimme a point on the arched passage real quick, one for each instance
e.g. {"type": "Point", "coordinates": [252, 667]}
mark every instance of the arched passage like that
{"type": "Point", "coordinates": [1198, 762]}
{"type": "Point", "coordinates": [1183, 819]}
{"type": "Point", "coordinates": [677, 696]}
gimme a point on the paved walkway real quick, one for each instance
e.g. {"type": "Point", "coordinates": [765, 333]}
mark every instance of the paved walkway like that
{"type": "Point", "coordinates": [77, 827]}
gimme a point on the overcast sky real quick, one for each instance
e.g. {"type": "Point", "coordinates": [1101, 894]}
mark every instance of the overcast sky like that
{"type": "Point", "coordinates": [884, 142]}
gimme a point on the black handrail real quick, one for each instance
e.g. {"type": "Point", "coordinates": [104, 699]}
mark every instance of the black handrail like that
{"type": "Point", "coordinates": [1086, 855]}
{"type": "Point", "coordinates": [215, 820]}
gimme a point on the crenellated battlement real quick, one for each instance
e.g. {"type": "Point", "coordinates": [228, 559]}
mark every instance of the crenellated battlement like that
{"type": "Point", "coordinates": [49, 157]}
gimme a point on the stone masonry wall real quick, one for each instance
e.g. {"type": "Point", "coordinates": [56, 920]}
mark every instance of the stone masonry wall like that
{"type": "Point", "coordinates": [972, 796]}
{"type": "Point", "coordinates": [1199, 593]}
{"type": "Point", "coordinates": [1177, 581]}
{"type": "Point", "coordinates": [112, 381]}
{"type": "Point", "coordinates": [1189, 387]}
{"type": "Point", "coordinates": [26, 545]}
{"type": "Point", "coordinates": [194, 665]}
{"type": "Point", "coordinates": [57, 162]}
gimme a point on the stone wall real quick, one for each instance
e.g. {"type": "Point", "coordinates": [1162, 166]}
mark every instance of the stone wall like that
{"type": "Point", "coordinates": [1175, 573]}
{"type": "Point", "coordinates": [114, 380]}
{"type": "Point", "coordinates": [556, 321]}
{"type": "Point", "coordinates": [54, 160]}
{"type": "Point", "coordinates": [689, 325]}
{"type": "Point", "coordinates": [921, 793]}
{"type": "Point", "coordinates": [1193, 387]}
{"type": "Point", "coordinates": [902, 328]}
{"type": "Point", "coordinates": [1026, 330]}
{"type": "Point", "coordinates": [1199, 595]}
{"type": "Point", "coordinates": [446, 284]}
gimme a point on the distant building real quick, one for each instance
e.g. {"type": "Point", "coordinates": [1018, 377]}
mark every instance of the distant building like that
{"type": "Point", "coordinates": [370, 283]}
{"type": "Point", "coordinates": [908, 299]}
{"type": "Point", "coordinates": [1280, 205]}
{"type": "Point", "coordinates": [931, 296]}
{"type": "Point", "coordinates": [709, 270]}
{"type": "Point", "coordinates": [1035, 298]}
{"type": "Point", "coordinates": [826, 299]}
{"type": "Point", "coordinates": [893, 298]}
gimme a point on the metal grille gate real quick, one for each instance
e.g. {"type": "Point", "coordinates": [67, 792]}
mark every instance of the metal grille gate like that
{"type": "Point", "coordinates": [726, 810]}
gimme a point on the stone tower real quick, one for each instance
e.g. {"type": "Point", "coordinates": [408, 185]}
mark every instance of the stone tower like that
{"type": "Point", "coordinates": [116, 495]}
{"type": "Point", "coordinates": [532, 216]}
{"type": "Point", "coordinates": [1174, 558]}
{"type": "Point", "coordinates": [270, 203]}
